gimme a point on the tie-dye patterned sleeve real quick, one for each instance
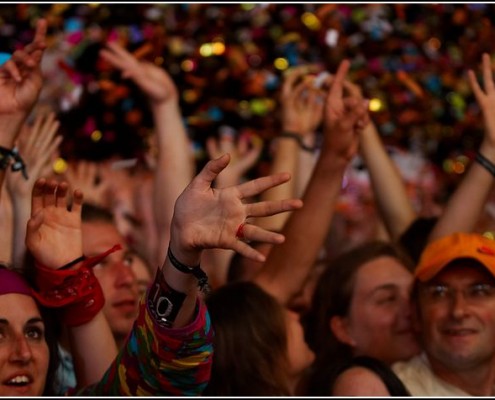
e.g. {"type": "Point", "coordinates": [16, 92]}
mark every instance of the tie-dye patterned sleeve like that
{"type": "Point", "coordinates": [159, 361]}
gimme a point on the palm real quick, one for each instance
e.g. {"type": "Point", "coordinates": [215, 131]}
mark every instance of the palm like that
{"type": "Point", "coordinates": [18, 97]}
{"type": "Point", "coordinates": [54, 233]}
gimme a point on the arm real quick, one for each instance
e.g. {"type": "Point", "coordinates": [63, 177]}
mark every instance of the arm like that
{"type": "Point", "coordinates": [301, 113]}
{"type": "Point", "coordinates": [389, 190]}
{"type": "Point", "coordinates": [176, 359]}
{"type": "Point", "coordinates": [465, 205]}
{"type": "Point", "coordinates": [175, 164]}
{"type": "Point", "coordinates": [37, 144]}
{"type": "Point", "coordinates": [54, 238]}
{"type": "Point", "coordinates": [20, 85]}
{"type": "Point", "coordinates": [289, 264]}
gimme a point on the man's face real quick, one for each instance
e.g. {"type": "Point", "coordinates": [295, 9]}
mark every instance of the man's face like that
{"type": "Point", "coordinates": [115, 275]}
{"type": "Point", "coordinates": [457, 317]}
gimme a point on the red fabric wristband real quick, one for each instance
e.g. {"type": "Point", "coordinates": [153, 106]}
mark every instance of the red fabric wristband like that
{"type": "Point", "coordinates": [76, 292]}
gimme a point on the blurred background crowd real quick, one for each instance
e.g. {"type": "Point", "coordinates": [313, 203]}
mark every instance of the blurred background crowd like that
{"type": "Point", "coordinates": [228, 61]}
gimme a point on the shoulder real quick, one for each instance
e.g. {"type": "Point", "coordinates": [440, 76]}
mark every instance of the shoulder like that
{"type": "Point", "coordinates": [359, 381]}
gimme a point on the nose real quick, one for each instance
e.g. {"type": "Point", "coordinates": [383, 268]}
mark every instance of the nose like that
{"type": "Point", "coordinates": [459, 305]}
{"type": "Point", "coordinates": [21, 350]}
{"type": "Point", "coordinates": [124, 275]}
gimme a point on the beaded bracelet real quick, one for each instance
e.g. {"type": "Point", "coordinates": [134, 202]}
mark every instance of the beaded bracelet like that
{"type": "Point", "coordinates": [485, 162]}
{"type": "Point", "coordinates": [18, 164]}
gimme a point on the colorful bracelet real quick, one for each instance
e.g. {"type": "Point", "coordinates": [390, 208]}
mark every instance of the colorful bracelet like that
{"type": "Point", "coordinates": [485, 162]}
{"type": "Point", "coordinates": [196, 271]}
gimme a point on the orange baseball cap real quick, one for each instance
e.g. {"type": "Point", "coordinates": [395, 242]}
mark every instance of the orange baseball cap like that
{"type": "Point", "coordinates": [442, 251]}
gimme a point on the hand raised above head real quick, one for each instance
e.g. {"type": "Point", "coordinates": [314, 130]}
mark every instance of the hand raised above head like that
{"type": "Point", "coordinates": [54, 231]}
{"type": "Point", "coordinates": [205, 217]}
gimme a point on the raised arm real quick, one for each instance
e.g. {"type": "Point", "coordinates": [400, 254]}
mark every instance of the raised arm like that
{"type": "Point", "coordinates": [169, 350]}
{"type": "Point", "coordinates": [20, 85]}
{"type": "Point", "coordinates": [389, 190]}
{"type": "Point", "coordinates": [289, 263]}
{"type": "Point", "coordinates": [466, 204]}
{"type": "Point", "coordinates": [175, 165]}
{"type": "Point", "coordinates": [38, 144]}
{"type": "Point", "coordinates": [54, 239]}
{"type": "Point", "coordinates": [301, 113]}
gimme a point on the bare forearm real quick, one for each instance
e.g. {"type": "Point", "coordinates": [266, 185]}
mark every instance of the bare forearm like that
{"type": "Point", "coordinates": [174, 170]}
{"type": "Point", "coordinates": [388, 187]}
{"type": "Point", "coordinates": [289, 263]}
{"type": "Point", "coordinates": [92, 357]}
{"type": "Point", "coordinates": [284, 160]}
{"type": "Point", "coordinates": [466, 204]}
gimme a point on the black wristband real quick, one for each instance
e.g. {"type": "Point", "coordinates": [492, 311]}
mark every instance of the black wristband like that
{"type": "Point", "coordinates": [164, 302]}
{"type": "Point", "coordinates": [72, 263]}
{"type": "Point", "coordinates": [196, 271]}
{"type": "Point", "coordinates": [485, 162]}
{"type": "Point", "coordinates": [299, 140]}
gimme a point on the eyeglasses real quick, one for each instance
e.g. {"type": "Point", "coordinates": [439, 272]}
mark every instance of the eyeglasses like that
{"type": "Point", "coordinates": [474, 294]}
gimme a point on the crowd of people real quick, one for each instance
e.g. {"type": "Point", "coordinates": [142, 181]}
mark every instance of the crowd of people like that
{"type": "Point", "coordinates": [134, 266]}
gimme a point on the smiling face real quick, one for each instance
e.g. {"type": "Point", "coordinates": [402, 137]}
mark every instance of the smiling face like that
{"type": "Point", "coordinates": [379, 320]}
{"type": "Point", "coordinates": [457, 317]}
{"type": "Point", "coordinates": [24, 354]}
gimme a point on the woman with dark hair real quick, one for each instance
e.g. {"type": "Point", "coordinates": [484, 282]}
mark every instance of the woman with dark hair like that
{"type": "Point", "coordinates": [259, 345]}
{"type": "Point", "coordinates": [360, 308]}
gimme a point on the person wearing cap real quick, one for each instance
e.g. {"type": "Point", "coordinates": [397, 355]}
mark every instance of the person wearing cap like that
{"type": "Point", "coordinates": [453, 314]}
{"type": "Point", "coordinates": [454, 295]}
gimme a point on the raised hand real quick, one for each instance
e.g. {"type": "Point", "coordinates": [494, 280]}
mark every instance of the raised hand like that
{"type": "Point", "coordinates": [155, 82]}
{"type": "Point", "coordinates": [21, 78]}
{"type": "Point", "coordinates": [486, 98]}
{"type": "Point", "coordinates": [92, 179]}
{"type": "Point", "coordinates": [244, 152]}
{"type": "Point", "coordinates": [302, 103]}
{"type": "Point", "coordinates": [344, 117]}
{"type": "Point", "coordinates": [54, 235]}
{"type": "Point", "coordinates": [205, 217]}
{"type": "Point", "coordinates": [37, 145]}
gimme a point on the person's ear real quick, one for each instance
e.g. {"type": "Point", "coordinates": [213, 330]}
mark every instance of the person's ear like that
{"type": "Point", "coordinates": [340, 328]}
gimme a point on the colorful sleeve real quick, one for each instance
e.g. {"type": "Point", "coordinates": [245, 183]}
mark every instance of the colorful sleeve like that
{"type": "Point", "coordinates": [159, 361]}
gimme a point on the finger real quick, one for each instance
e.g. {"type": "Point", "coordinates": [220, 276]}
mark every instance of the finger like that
{"type": "Point", "coordinates": [34, 131]}
{"type": "Point", "coordinates": [77, 201]}
{"type": "Point", "coordinates": [212, 147]}
{"type": "Point", "coordinates": [352, 89]}
{"type": "Point", "coordinates": [475, 87]}
{"type": "Point", "coordinates": [253, 233]}
{"type": "Point", "coordinates": [22, 58]}
{"type": "Point", "coordinates": [336, 89]}
{"type": "Point", "coordinates": [35, 222]}
{"type": "Point", "coordinates": [267, 208]}
{"type": "Point", "coordinates": [37, 196]}
{"type": "Point", "coordinates": [48, 138]}
{"type": "Point", "coordinates": [49, 199]}
{"type": "Point", "coordinates": [247, 251]}
{"type": "Point", "coordinates": [250, 158]}
{"type": "Point", "coordinates": [487, 73]}
{"type": "Point", "coordinates": [209, 173]}
{"type": "Point", "coordinates": [11, 68]}
{"type": "Point", "coordinates": [41, 28]}
{"type": "Point", "coordinates": [61, 195]}
{"type": "Point", "coordinates": [259, 185]}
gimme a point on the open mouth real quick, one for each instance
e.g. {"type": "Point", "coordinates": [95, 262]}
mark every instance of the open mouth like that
{"type": "Point", "coordinates": [18, 381]}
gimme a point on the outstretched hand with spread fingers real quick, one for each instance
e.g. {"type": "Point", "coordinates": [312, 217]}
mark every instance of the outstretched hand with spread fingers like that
{"type": "Point", "coordinates": [205, 217]}
{"type": "Point", "coordinates": [54, 234]}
